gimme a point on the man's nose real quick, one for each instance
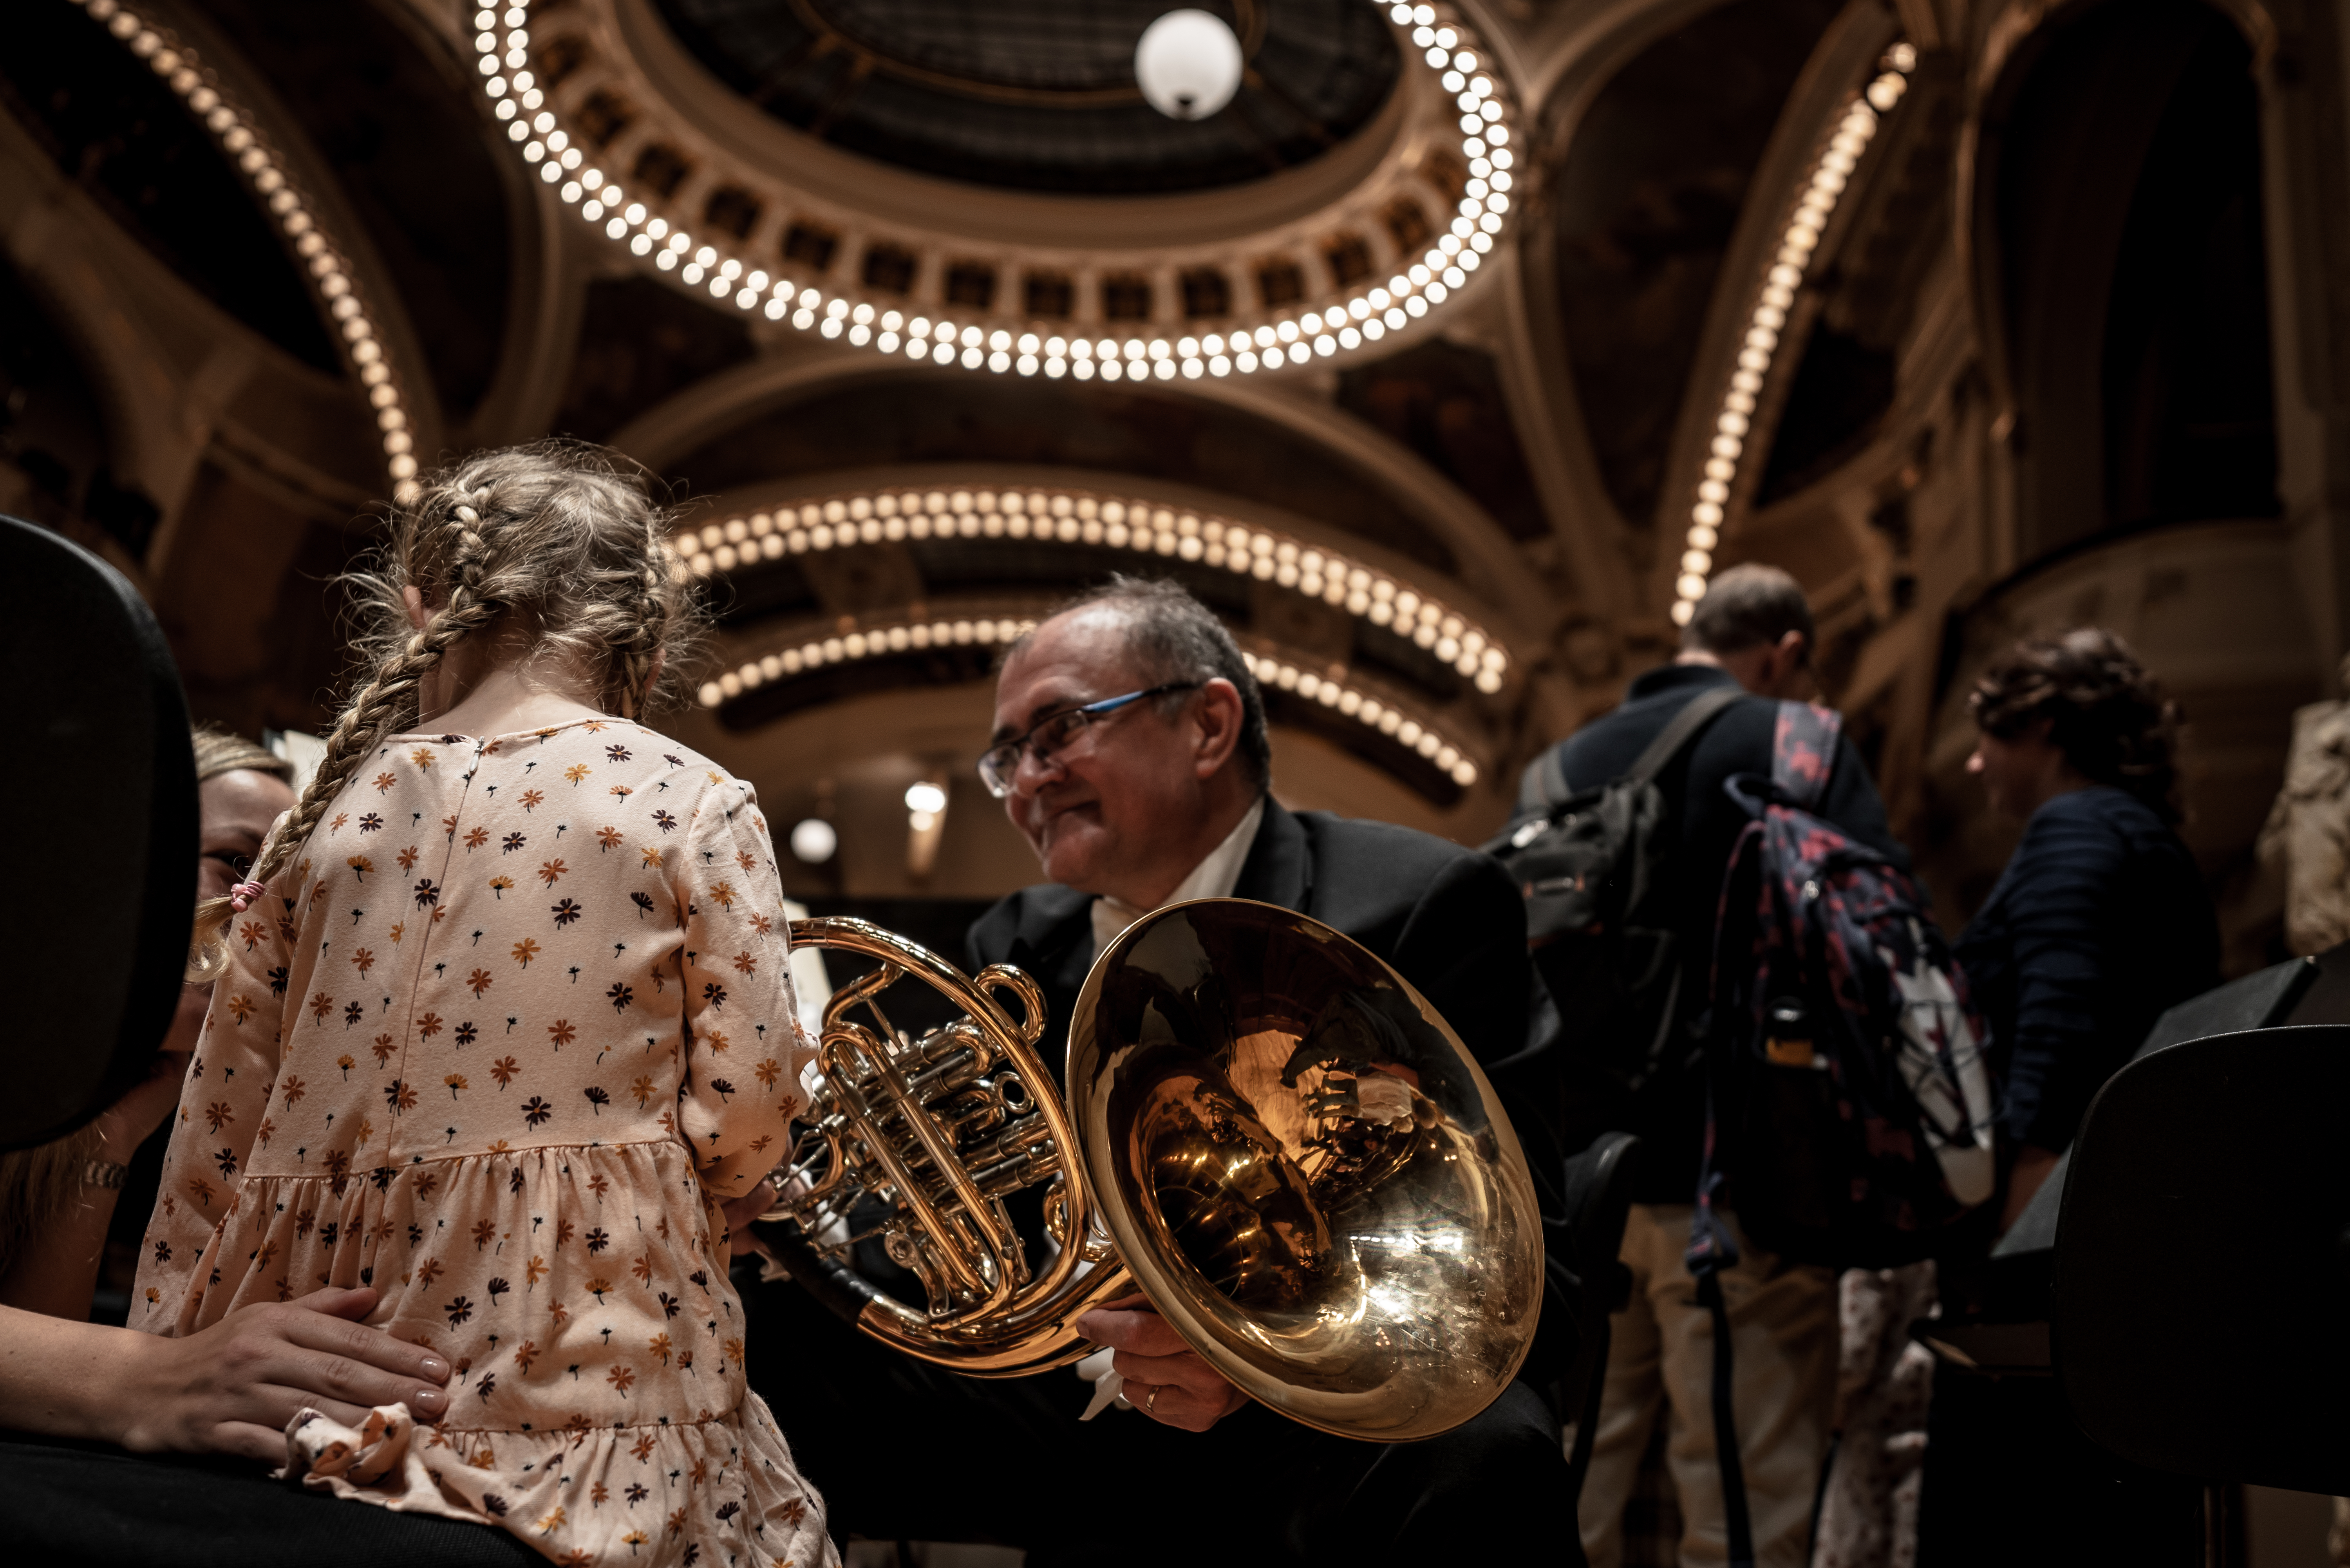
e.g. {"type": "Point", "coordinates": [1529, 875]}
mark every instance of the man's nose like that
{"type": "Point", "coordinates": [1033, 770]}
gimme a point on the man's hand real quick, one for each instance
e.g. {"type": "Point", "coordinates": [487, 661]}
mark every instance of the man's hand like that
{"type": "Point", "coordinates": [1150, 1355]}
{"type": "Point", "coordinates": [232, 1388]}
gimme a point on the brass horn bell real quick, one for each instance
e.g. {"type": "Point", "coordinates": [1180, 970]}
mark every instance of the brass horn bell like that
{"type": "Point", "coordinates": [1267, 1132]}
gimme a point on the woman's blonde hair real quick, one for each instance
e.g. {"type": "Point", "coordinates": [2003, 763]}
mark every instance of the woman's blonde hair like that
{"type": "Point", "coordinates": [562, 536]}
{"type": "Point", "coordinates": [219, 752]}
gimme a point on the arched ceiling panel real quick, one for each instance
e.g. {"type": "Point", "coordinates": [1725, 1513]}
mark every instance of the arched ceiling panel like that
{"type": "Point", "coordinates": [1644, 206]}
{"type": "Point", "coordinates": [641, 341]}
{"type": "Point", "coordinates": [1444, 402]}
{"type": "Point", "coordinates": [127, 140]}
{"type": "Point", "coordinates": [398, 128]}
{"type": "Point", "coordinates": [934, 417]}
{"type": "Point", "coordinates": [53, 434]}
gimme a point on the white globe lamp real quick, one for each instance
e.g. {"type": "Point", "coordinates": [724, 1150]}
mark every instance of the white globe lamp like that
{"type": "Point", "coordinates": [814, 840]}
{"type": "Point", "coordinates": [1187, 65]}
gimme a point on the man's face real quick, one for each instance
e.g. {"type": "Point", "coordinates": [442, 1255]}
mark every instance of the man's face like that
{"type": "Point", "coordinates": [1125, 794]}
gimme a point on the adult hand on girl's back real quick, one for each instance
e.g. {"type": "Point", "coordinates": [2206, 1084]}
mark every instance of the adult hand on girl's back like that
{"type": "Point", "coordinates": [232, 1388]}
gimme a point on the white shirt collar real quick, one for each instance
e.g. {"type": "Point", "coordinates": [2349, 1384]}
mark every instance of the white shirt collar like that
{"type": "Point", "coordinates": [1214, 877]}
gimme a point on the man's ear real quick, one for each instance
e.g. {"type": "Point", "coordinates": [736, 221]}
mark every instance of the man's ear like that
{"type": "Point", "coordinates": [1790, 655]}
{"type": "Point", "coordinates": [1219, 713]}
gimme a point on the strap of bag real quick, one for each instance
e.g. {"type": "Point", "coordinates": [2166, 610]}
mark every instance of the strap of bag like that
{"type": "Point", "coordinates": [1543, 790]}
{"type": "Point", "coordinates": [1804, 751]}
{"type": "Point", "coordinates": [1694, 716]}
{"type": "Point", "coordinates": [1711, 1250]}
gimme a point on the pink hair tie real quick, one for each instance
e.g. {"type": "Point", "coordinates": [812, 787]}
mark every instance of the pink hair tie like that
{"type": "Point", "coordinates": [242, 894]}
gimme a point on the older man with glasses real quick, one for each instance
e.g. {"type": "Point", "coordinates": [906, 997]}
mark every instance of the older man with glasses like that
{"type": "Point", "coordinates": [1131, 751]}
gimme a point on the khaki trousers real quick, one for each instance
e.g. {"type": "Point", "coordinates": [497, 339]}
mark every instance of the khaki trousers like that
{"type": "Point", "coordinates": [1782, 1327]}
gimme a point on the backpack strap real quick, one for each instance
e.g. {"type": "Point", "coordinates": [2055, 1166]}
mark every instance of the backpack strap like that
{"type": "Point", "coordinates": [1542, 789]}
{"type": "Point", "coordinates": [1694, 716]}
{"type": "Point", "coordinates": [1803, 750]}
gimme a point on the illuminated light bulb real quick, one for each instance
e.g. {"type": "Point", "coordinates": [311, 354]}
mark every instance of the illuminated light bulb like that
{"type": "Point", "coordinates": [1188, 64]}
{"type": "Point", "coordinates": [814, 840]}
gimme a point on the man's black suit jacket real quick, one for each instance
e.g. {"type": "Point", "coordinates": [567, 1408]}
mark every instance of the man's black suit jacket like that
{"type": "Point", "coordinates": [1448, 919]}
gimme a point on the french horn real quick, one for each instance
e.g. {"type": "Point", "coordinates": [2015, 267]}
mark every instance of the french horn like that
{"type": "Point", "coordinates": [1266, 1131]}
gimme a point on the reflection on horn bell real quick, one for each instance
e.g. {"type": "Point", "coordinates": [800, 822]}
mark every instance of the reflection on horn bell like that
{"type": "Point", "coordinates": [1267, 1132]}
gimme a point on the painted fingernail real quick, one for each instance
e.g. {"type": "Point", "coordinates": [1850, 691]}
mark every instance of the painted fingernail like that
{"type": "Point", "coordinates": [436, 1369]}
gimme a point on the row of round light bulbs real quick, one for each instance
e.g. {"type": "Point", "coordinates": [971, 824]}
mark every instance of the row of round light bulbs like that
{"type": "Point", "coordinates": [1800, 239]}
{"type": "Point", "coordinates": [1369, 710]}
{"type": "Point", "coordinates": [330, 275]}
{"type": "Point", "coordinates": [1365, 317]}
{"type": "Point", "coordinates": [1074, 517]}
{"type": "Point", "coordinates": [880, 642]}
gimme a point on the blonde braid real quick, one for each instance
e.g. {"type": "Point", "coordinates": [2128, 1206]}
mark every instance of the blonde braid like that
{"type": "Point", "coordinates": [652, 619]}
{"type": "Point", "coordinates": [387, 703]}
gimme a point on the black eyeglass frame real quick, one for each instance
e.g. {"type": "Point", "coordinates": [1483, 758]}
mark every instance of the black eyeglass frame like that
{"type": "Point", "coordinates": [997, 775]}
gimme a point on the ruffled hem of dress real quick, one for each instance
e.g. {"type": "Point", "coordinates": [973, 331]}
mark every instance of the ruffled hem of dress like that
{"type": "Point", "coordinates": [718, 1492]}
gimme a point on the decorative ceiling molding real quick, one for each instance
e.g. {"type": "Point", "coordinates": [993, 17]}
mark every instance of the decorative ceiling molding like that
{"type": "Point", "coordinates": [1735, 394]}
{"type": "Point", "coordinates": [323, 258]}
{"type": "Point", "coordinates": [708, 190]}
{"type": "Point", "coordinates": [1055, 515]}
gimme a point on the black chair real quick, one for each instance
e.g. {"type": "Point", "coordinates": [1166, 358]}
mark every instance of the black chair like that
{"type": "Point", "coordinates": [102, 722]}
{"type": "Point", "coordinates": [1598, 1199]}
{"type": "Point", "coordinates": [2201, 1257]}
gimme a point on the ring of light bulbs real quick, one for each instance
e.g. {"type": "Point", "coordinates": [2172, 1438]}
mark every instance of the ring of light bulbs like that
{"type": "Point", "coordinates": [1830, 173]}
{"type": "Point", "coordinates": [1083, 517]}
{"type": "Point", "coordinates": [333, 281]}
{"type": "Point", "coordinates": [1438, 36]}
{"type": "Point", "coordinates": [1383, 715]}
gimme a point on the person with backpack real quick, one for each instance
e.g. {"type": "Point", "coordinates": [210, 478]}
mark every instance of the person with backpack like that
{"type": "Point", "coordinates": [1624, 836]}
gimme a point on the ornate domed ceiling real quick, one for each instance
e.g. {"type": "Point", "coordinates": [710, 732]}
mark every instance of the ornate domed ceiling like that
{"type": "Point", "coordinates": [980, 186]}
{"type": "Point", "coordinates": [1036, 95]}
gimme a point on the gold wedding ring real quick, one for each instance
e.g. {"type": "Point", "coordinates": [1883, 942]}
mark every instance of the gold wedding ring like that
{"type": "Point", "coordinates": [1150, 1401]}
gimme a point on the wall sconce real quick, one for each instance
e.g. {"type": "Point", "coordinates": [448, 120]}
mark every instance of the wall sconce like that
{"type": "Point", "coordinates": [926, 825]}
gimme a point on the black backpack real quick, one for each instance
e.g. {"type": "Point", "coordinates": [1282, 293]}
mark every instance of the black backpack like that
{"type": "Point", "coordinates": [1593, 866]}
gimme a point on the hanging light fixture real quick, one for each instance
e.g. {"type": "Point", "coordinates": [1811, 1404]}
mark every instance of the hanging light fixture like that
{"type": "Point", "coordinates": [1187, 65]}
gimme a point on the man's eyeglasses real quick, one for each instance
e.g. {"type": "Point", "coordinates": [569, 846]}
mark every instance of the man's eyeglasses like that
{"type": "Point", "coordinates": [1055, 731]}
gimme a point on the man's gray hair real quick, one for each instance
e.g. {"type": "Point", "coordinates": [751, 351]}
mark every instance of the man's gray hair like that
{"type": "Point", "coordinates": [1173, 637]}
{"type": "Point", "coordinates": [1749, 605]}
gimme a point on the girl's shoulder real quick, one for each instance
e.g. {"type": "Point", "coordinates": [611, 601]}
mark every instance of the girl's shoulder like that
{"type": "Point", "coordinates": [603, 741]}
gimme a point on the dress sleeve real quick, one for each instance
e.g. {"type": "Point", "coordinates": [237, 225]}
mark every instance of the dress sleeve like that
{"type": "Point", "coordinates": [746, 1047]}
{"type": "Point", "coordinates": [2065, 874]}
{"type": "Point", "coordinates": [223, 1110]}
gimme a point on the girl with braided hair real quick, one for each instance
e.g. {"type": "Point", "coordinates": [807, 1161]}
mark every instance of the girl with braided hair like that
{"type": "Point", "coordinates": [502, 1018]}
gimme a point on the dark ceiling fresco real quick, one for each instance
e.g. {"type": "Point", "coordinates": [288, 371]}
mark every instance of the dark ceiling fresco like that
{"type": "Point", "coordinates": [1037, 95]}
{"type": "Point", "coordinates": [1444, 402]}
{"type": "Point", "coordinates": [1643, 209]}
{"type": "Point", "coordinates": [640, 340]}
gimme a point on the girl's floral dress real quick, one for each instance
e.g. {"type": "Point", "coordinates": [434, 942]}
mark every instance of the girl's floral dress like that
{"type": "Point", "coordinates": [513, 1026]}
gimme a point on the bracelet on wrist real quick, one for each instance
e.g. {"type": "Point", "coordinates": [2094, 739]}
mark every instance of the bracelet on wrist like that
{"type": "Point", "coordinates": [106, 1173]}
